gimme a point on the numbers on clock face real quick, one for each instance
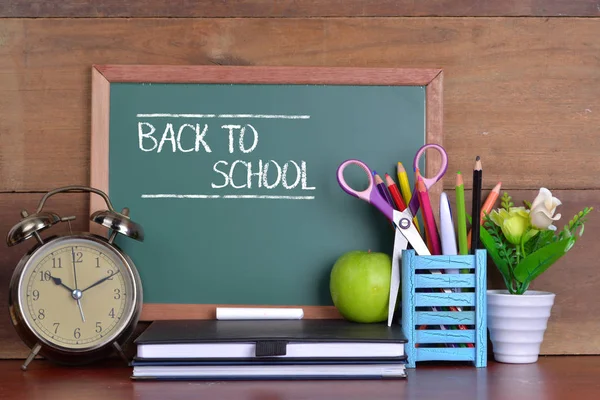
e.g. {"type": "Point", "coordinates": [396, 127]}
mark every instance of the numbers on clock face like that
{"type": "Point", "coordinates": [62, 273]}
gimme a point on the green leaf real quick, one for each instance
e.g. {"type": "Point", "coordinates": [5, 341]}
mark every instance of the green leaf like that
{"type": "Point", "coordinates": [542, 239]}
{"type": "Point", "coordinates": [490, 245]}
{"type": "Point", "coordinates": [539, 261]}
{"type": "Point", "coordinates": [528, 235]}
{"type": "Point", "coordinates": [577, 222]}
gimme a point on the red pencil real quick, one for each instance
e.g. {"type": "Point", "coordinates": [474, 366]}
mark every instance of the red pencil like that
{"type": "Point", "coordinates": [425, 230]}
{"type": "Point", "coordinates": [428, 219]}
{"type": "Point", "coordinates": [396, 196]}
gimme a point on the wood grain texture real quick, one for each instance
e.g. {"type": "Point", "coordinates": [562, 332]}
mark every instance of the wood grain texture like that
{"type": "Point", "coordinates": [99, 141]}
{"type": "Point", "coordinates": [434, 127]}
{"type": "Point", "coordinates": [549, 378]}
{"type": "Point", "coordinates": [271, 75]}
{"type": "Point", "coordinates": [297, 8]}
{"type": "Point", "coordinates": [521, 93]}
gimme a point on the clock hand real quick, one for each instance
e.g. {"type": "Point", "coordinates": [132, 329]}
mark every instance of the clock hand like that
{"type": "Point", "coordinates": [74, 272]}
{"type": "Point", "coordinates": [77, 293]}
{"type": "Point", "coordinates": [100, 281]}
{"type": "Point", "coordinates": [80, 309]}
{"type": "Point", "coordinates": [59, 282]}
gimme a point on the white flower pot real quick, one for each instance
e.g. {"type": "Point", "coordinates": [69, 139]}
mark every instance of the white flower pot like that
{"type": "Point", "coordinates": [517, 324]}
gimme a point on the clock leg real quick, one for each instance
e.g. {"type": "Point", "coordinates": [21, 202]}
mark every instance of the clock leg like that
{"type": "Point", "coordinates": [121, 352]}
{"type": "Point", "coordinates": [31, 356]}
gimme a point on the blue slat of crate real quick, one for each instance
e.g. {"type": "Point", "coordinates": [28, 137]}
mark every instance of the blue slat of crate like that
{"type": "Point", "coordinates": [446, 336]}
{"type": "Point", "coordinates": [445, 318]}
{"type": "Point", "coordinates": [443, 262]}
{"type": "Point", "coordinates": [445, 354]}
{"type": "Point", "coordinates": [481, 309]}
{"type": "Point", "coordinates": [445, 280]}
{"type": "Point", "coordinates": [408, 311]}
{"type": "Point", "coordinates": [444, 299]}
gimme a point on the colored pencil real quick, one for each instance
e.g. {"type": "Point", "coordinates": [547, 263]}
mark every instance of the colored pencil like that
{"type": "Point", "coordinates": [488, 204]}
{"type": "Point", "coordinates": [383, 189]}
{"type": "Point", "coordinates": [428, 218]}
{"type": "Point", "coordinates": [426, 227]}
{"type": "Point", "coordinates": [476, 209]}
{"type": "Point", "coordinates": [395, 193]}
{"type": "Point", "coordinates": [405, 190]}
{"type": "Point", "coordinates": [461, 216]}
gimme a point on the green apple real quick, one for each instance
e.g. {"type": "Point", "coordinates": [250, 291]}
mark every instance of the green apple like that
{"type": "Point", "coordinates": [360, 285]}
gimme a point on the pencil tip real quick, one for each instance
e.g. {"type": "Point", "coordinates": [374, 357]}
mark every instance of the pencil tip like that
{"type": "Point", "coordinates": [477, 158]}
{"type": "Point", "coordinates": [374, 172]}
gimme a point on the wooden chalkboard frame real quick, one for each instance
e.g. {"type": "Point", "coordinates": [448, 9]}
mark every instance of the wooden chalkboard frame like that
{"type": "Point", "coordinates": [104, 75]}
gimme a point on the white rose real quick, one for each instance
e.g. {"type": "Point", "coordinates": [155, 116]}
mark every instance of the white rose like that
{"type": "Point", "coordinates": [542, 210]}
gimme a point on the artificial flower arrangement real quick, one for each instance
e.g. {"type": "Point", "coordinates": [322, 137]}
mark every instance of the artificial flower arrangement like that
{"type": "Point", "coordinates": [523, 242]}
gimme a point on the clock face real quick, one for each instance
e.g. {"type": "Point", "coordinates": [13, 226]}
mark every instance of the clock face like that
{"type": "Point", "coordinates": [76, 293]}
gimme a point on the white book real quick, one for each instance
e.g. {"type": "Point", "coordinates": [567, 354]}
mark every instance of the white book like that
{"type": "Point", "coordinates": [248, 350]}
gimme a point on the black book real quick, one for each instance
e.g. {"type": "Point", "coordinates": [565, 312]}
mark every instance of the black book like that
{"type": "Point", "coordinates": [270, 340]}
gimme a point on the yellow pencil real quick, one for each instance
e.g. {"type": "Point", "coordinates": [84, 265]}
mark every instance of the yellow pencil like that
{"type": "Point", "coordinates": [405, 189]}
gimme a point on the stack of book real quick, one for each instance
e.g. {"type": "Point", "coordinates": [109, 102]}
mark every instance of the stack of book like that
{"type": "Point", "coordinates": [269, 349]}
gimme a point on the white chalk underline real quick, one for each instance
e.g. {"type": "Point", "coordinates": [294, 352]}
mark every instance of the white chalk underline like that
{"type": "Point", "coordinates": [226, 196]}
{"type": "Point", "coordinates": [264, 116]}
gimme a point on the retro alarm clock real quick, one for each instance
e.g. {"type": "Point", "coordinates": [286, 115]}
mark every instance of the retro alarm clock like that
{"type": "Point", "coordinates": [74, 297]}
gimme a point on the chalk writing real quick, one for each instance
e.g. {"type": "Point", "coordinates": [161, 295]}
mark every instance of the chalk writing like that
{"type": "Point", "coordinates": [235, 174]}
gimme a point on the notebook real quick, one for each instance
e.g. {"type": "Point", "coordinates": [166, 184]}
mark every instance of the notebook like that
{"type": "Point", "coordinates": [279, 369]}
{"type": "Point", "coordinates": [259, 339]}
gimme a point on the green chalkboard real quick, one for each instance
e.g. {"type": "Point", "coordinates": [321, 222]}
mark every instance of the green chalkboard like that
{"type": "Point", "coordinates": [235, 182]}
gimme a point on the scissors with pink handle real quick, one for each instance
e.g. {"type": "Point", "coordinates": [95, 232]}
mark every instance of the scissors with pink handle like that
{"type": "Point", "coordinates": [413, 205]}
{"type": "Point", "coordinates": [402, 219]}
{"type": "Point", "coordinates": [406, 232]}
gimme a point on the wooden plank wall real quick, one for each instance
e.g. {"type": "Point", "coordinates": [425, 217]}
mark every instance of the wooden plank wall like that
{"type": "Point", "coordinates": [522, 80]}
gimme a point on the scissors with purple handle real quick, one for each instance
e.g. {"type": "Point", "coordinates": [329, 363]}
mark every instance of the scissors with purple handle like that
{"type": "Point", "coordinates": [405, 233]}
{"type": "Point", "coordinates": [429, 182]}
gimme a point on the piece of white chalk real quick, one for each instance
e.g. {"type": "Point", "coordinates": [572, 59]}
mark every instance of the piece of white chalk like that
{"type": "Point", "coordinates": [229, 313]}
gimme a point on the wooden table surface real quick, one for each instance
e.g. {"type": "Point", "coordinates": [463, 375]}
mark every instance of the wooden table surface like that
{"type": "Point", "coordinates": [549, 378]}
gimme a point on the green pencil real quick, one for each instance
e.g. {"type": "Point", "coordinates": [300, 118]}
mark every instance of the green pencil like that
{"type": "Point", "coordinates": [461, 218]}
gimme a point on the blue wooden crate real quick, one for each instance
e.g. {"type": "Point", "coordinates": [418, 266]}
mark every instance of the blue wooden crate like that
{"type": "Point", "coordinates": [427, 299]}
